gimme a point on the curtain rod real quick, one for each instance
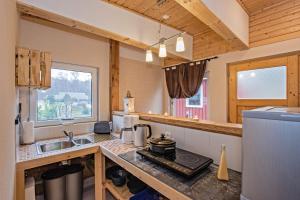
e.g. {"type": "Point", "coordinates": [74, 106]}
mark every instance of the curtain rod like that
{"type": "Point", "coordinates": [207, 59]}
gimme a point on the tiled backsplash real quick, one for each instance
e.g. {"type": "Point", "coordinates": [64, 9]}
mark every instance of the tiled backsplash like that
{"type": "Point", "coordinates": [197, 141]}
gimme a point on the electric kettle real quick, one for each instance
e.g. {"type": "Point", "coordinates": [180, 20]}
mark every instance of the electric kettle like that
{"type": "Point", "coordinates": [141, 133]}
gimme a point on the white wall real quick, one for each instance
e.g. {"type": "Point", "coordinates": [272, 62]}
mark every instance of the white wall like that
{"type": "Point", "coordinates": [203, 143]}
{"type": "Point", "coordinates": [232, 15]}
{"type": "Point", "coordinates": [8, 24]}
{"type": "Point", "coordinates": [217, 76]}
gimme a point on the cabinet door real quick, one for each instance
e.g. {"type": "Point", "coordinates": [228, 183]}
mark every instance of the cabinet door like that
{"type": "Point", "coordinates": [35, 68]}
{"type": "Point", "coordinates": [268, 82]}
{"type": "Point", "coordinates": [22, 67]}
{"type": "Point", "coordinates": [46, 70]}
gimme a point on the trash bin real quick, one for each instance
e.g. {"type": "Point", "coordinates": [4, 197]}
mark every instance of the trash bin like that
{"type": "Point", "coordinates": [74, 182]}
{"type": "Point", "coordinates": [54, 184]}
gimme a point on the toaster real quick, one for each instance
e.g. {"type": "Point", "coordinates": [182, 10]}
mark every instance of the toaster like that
{"type": "Point", "coordinates": [103, 127]}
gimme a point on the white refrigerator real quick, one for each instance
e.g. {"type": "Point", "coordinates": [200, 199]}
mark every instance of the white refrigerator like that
{"type": "Point", "coordinates": [271, 154]}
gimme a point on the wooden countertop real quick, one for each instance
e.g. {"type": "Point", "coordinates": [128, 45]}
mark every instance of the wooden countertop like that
{"type": "Point", "coordinates": [204, 125]}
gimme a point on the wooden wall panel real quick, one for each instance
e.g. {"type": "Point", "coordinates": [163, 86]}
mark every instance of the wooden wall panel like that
{"type": "Point", "coordinates": [209, 43]}
{"type": "Point", "coordinates": [276, 23]}
{"type": "Point", "coordinates": [293, 81]}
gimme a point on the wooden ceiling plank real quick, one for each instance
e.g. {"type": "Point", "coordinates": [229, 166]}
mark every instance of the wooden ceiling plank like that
{"type": "Point", "coordinates": [154, 11]}
{"type": "Point", "coordinates": [200, 11]}
{"type": "Point", "coordinates": [254, 6]}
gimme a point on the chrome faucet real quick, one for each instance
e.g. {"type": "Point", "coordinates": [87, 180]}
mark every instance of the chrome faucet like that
{"type": "Point", "coordinates": [70, 135]}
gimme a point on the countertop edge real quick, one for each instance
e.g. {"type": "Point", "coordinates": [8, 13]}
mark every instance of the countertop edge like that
{"type": "Point", "coordinates": [204, 125]}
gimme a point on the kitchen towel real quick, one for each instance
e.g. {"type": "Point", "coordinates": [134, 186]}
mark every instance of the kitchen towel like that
{"type": "Point", "coordinates": [28, 132]}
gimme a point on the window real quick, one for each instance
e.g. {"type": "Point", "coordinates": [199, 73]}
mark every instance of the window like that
{"type": "Point", "coordinates": [72, 96]}
{"type": "Point", "coordinates": [195, 101]}
{"type": "Point", "coordinates": [270, 81]}
{"type": "Point", "coordinates": [194, 107]}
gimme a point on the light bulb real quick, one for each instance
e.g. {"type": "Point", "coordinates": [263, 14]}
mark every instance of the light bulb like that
{"type": "Point", "coordinates": [149, 57]}
{"type": "Point", "coordinates": [162, 50]}
{"type": "Point", "coordinates": [180, 44]}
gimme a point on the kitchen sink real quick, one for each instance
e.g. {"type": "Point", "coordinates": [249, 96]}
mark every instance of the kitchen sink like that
{"type": "Point", "coordinates": [55, 146]}
{"type": "Point", "coordinates": [82, 141]}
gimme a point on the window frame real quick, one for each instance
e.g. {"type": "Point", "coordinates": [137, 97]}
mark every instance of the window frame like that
{"type": "Point", "coordinates": [187, 105]}
{"type": "Point", "coordinates": [94, 89]}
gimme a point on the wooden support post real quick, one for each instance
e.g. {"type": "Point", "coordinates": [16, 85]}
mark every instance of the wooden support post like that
{"type": "Point", "coordinates": [99, 176]}
{"type": "Point", "coordinates": [20, 184]}
{"type": "Point", "coordinates": [114, 60]}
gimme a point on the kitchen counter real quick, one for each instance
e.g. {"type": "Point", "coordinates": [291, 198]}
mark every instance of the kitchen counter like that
{"type": "Point", "coordinates": [203, 186]}
{"type": "Point", "coordinates": [28, 153]}
{"type": "Point", "coordinates": [27, 158]}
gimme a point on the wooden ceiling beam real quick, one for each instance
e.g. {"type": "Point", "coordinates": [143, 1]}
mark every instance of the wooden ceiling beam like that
{"type": "Point", "coordinates": [34, 12]}
{"type": "Point", "coordinates": [198, 9]}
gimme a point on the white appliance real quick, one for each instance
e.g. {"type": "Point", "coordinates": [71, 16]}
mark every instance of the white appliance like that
{"type": "Point", "coordinates": [28, 132]}
{"type": "Point", "coordinates": [127, 135]}
{"type": "Point", "coordinates": [271, 154]}
{"type": "Point", "coordinates": [142, 132]}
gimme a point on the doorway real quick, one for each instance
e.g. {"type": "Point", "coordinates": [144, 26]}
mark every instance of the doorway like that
{"type": "Point", "coordinates": [264, 82]}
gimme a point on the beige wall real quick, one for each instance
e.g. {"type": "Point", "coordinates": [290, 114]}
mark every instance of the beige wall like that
{"type": "Point", "coordinates": [8, 26]}
{"type": "Point", "coordinates": [145, 83]}
{"type": "Point", "coordinates": [71, 48]}
{"type": "Point", "coordinates": [142, 79]}
{"type": "Point", "coordinates": [217, 76]}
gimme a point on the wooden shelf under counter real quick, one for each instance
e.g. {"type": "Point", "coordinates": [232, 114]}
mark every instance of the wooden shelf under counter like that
{"type": "Point", "coordinates": [120, 193]}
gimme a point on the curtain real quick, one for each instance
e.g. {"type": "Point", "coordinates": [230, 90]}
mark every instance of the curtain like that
{"type": "Point", "coordinates": [184, 80]}
{"type": "Point", "coordinates": [173, 85]}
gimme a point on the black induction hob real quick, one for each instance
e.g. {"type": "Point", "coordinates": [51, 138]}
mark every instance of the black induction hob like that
{"type": "Point", "coordinates": [182, 162]}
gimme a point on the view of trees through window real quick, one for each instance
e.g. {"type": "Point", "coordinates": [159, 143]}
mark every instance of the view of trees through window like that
{"type": "Point", "coordinates": [70, 96]}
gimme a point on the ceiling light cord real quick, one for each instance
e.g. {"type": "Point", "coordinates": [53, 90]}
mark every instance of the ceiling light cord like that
{"type": "Point", "coordinates": [162, 53]}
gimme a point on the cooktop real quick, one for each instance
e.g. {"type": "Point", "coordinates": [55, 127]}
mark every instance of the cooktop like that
{"type": "Point", "coordinates": [182, 162]}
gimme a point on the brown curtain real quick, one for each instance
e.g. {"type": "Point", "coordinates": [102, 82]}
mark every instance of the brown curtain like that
{"type": "Point", "coordinates": [185, 80]}
{"type": "Point", "coordinates": [173, 85]}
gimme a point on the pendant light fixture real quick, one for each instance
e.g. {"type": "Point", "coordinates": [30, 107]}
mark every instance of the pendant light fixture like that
{"type": "Point", "coordinates": [162, 53]}
{"type": "Point", "coordinates": [162, 49]}
{"type": "Point", "coordinates": [180, 44]}
{"type": "Point", "coordinates": [149, 56]}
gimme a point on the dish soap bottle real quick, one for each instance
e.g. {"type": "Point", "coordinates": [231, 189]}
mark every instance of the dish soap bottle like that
{"type": "Point", "coordinates": [223, 171]}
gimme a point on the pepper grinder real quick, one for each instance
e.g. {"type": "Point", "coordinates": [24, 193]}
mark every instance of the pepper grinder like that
{"type": "Point", "coordinates": [223, 170]}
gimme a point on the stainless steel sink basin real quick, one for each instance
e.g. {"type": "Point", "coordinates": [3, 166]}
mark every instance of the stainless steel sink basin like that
{"type": "Point", "coordinates": [55, 146]}
{"type": "Point", "coordinates": [82, 141]}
